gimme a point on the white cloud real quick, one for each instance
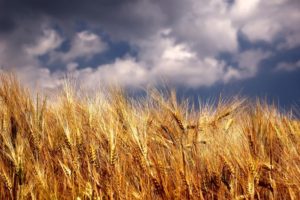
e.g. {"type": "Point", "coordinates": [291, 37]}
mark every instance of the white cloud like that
{"type": "Point", "coordinates": [23, 60]}
{"type": "Point", "coordinates": [207, 29]}
{"type": "Point", "coordinates": [72, 66]}
{"type": "Point", "coordinates": [85, 45]}
{"type": "Point", "coordinates": [248, 62]}
{"type": "Point", "coordinates": [49, 41]}
{"type": "Point", "coordinates": [261, 29]}
{"type": "Point", "coordinates": [268, 20]}
{"type": "Point", "coordinates": [180, 64]}
{"type": "Point", "coordinates": [125, 71]}
{"type": "Point", "coordinates": [288, 66]}
{"type": "Point", "coordinates": [174, 62]}
{"type": "Point", "coordinates": [243, 9]}
{"type": "Point", "coordinates": [40, 78]}
{"type": "Point", "coordinates": [178, 53]}
{"type": "Point", "coordinates": [292, 40]}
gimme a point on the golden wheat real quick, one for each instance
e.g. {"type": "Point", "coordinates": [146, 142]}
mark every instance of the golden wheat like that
{"type": "Point", "coordinates": [114, 147]}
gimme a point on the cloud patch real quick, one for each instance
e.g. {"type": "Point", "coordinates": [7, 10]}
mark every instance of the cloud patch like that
{"type": "Point", "coordinates": [84, 45]}
{"type": "Point", "coordinates": [288, 66]}
{"type": "Point", "coordinates": [49, 41]}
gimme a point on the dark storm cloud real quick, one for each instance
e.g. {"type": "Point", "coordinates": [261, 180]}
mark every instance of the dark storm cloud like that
{"type": "Point", "coordinates": [6, 25]}
{"type": "Point", "coordinates": [112, 15]}
{"type": "Point", "coordinates": [58, 8]}
{"type": "Point", "coordinates": [22, 22]}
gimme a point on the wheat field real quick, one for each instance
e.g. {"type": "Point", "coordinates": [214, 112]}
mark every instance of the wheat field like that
{"type": "Point", "coordinates": [110, 146]}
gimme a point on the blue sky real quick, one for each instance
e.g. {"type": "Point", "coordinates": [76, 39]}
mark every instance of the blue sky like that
{"type": "Point", "coordinates": [201, 47]}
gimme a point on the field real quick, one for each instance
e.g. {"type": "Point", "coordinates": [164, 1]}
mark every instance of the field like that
{"type": "Point", "coordinates": [113, 147]}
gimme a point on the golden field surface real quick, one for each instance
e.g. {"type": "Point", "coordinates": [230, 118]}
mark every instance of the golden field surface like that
{"type": "Point", "coordinates": [111, 146]}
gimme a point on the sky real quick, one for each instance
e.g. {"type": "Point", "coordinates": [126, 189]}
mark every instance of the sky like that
{"type": "Point", "coordinates": [201, 47]}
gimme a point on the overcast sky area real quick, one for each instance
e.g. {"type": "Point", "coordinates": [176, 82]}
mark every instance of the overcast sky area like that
{"type": "Point", "coordinates": [251, 47]}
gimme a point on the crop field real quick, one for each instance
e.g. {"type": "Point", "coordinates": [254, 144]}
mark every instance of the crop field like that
{"type": "Point", "coordinates": [111, 146]}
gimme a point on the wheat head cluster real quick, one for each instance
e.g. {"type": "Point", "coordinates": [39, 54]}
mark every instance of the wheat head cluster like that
{"type": "Point", "coordinates": [110, 146]}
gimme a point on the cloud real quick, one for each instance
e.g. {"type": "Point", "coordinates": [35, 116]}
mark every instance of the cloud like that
{"type": "Point", "coordinates": [261, 29]}
{"type": "Point", "coordinates": [292, 41]}
{"type": "Point", "coordinates": [208, 36]}
{"type": "Point", "coordinates": [248, 62]}
{"type": "Point", "coordinates": [171, 61]}
{"type": "Point", "coordinates": [288, 66]}
{"type": "Point", "coordinates": [49, 41]}
{"type": "Point", "coordinates": [174, 62]}
{"type": "Point", "coordinates": [179, 63]}
{"type": "Point", "coordinates": [173, 39]}
{"type": "Point", "coordinates": [243, 9]}
{"type": "Point", "coordinates": [267, 20]}
{"type": "Point", "coordinates": [40, 78]}
{"type": "Point", "coordinates": [126, 72]}
{"type": "Point", "coordinates": [85, 44]}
